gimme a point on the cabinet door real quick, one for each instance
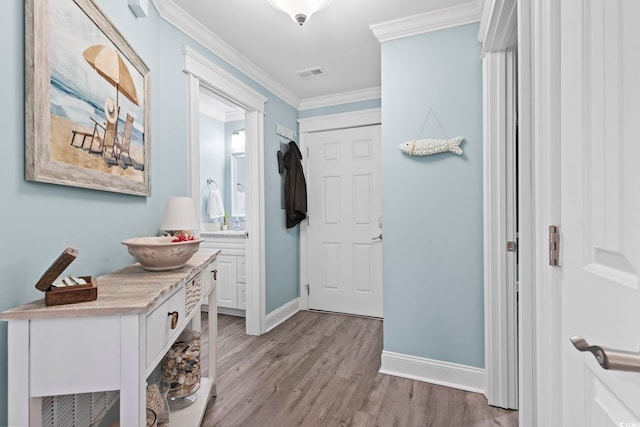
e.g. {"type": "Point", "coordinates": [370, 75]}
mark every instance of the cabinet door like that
{"type": "Point", "coordinates": [209, 277]}
{"type": "Point", "coordinates": [242, 269]}
{"type": "Point", "coordinates": [242, 296]}
{"type": "Point", "coordinates": [227, 281]}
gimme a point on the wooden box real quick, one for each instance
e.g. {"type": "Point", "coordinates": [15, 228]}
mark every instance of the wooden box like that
{"type": "Point", "coordinates": [68, 294]}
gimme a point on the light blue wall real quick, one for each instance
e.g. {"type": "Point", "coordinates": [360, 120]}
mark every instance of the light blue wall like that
{"type": "Point", "coordinates": [432, 206]}
{"type": "Point", "coordinates": [282, 254]}
{"type": "Point", "coordinates": [213, 160]}
{"type": "Point", "coordinates": [42, 219]}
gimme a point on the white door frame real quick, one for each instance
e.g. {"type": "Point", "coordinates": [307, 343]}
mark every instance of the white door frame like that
{"type": "Point", "coordinates": [320, 124]}
{"type": "Point", "coordinates": [202, 73]}
{"type": "Point", "coordinates": [498, 34]}
{"type": "Point", "coordinates": [500, 299]}
{"type": "Point", "coordinates": [538, 31]}
{"type": "Point", "coordinates": [539, 207]}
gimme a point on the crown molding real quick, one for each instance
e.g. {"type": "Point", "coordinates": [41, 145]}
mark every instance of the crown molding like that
{"type": "Point", "coordinates": [485, 13]}
{"type": "Point", "coordinates": [177, 17]}
{"type": "Point", "coordinates": [498, 29]}
{"type": "Point", "coordinates": [465, 13]}
{"type": "Point", "coordinates": [341, 98]}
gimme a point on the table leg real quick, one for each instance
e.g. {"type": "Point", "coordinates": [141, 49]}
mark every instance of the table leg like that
{"type": "Point", "coordinates": [132, 378]}
{"type": "Point", "coordinates": [213, 338]}
{"type": "Point", "coordinates": [18, 398]}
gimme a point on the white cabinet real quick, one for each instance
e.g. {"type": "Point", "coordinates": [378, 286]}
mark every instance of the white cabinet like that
{"type": "Point", "coordinates": [227, 281]}
{"type": "Point", "coordinates": [241, 266]}
{"type": "Point", "coordinates": [232, 271]}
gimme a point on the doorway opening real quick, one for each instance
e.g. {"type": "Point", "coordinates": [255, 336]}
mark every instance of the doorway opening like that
{"type": "Point", "coordinates": [204, 76]}
{"type": "Point", "coordinates": [222, 197]}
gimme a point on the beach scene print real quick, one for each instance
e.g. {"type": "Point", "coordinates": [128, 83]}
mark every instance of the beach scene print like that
{"type": "Point", "coordinates": [96, 99]}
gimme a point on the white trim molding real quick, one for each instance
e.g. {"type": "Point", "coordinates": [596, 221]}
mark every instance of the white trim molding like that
{"type": "Point", "coordinates": [180, 19]}
{"type": "Point", "coordinates": [441, 19]}
{"type": "Point", "coordinates": [227, 85]}
{"type": "Point", "coordinates": [281, 314]}
{"type": "Point", "coordinates": [202, 73]}
{"type": "Point", "coordinates": [341, 98]}
{"type": "Point", "coordinates": [453, 375]}
{"type": "Point", "coordinates": [539, 56]}
{"type": "Point", "coordinates": [499, 28]}
{"type": "Point", "coordinates": [499, 197]}
{"type": "Point", "coordinates": [372, 116]}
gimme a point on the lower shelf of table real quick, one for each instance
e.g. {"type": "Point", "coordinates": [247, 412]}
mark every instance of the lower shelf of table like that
{"type": "Point", "coordinates": [193, 414]}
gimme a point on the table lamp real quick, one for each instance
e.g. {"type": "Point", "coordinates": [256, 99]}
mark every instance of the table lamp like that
{"type": "Point", "coordinates": [179, 216]}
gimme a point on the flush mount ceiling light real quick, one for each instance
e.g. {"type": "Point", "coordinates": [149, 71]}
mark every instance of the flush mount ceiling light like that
{"type": "Point", "coordinates": [299, 10]}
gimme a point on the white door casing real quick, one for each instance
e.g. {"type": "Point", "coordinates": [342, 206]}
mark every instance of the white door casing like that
{"type": "Point", "coordinates": [600, 227]}
{"type": "Point", "coordinates": [203, 73]}
{"type": "Point", "coordinates": [347, 225]}
{"type": "Point", "coordinates": [500, 221]}
{"type": "Point", "coordinates": [498, 34]}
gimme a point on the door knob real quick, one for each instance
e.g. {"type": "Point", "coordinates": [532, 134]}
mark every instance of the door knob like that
{"type": "Point", "coordinates": [379, 237]}
{"type": "Point", "coordinates": [617, 360]}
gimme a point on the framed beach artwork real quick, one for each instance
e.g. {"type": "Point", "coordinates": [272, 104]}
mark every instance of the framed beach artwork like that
{"type": "Point", "coordinates": [87, 100]}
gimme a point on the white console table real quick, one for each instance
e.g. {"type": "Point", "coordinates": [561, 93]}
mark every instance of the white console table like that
{"type": "Point", "coordinates": [112, 343]}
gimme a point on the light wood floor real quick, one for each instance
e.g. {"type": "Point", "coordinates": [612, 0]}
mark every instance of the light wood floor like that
{"type": "Point", "coordinates": [321, 369]}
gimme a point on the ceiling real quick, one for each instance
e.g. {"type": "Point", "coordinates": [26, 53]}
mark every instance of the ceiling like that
{"type": "Point", "coordinates": [337, 38]}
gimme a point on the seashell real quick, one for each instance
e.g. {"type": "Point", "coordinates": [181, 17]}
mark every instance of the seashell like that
{"type": "Point", "coordinates": [190, 379]}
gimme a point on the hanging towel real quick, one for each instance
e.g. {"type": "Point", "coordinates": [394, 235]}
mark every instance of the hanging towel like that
{"type": "Point", "coordinates": [215, 206]}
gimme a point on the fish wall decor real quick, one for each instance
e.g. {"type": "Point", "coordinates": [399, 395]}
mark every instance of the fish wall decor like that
{"type": "Point", "coordinates": [426, 147]}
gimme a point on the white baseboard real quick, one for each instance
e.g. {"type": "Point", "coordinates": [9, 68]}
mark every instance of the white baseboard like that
{"type": "Point", "coordinates": [232, 312]}
{"type": "Point", "coordinates": [281, 314]}
{"type": "Point", "coordinates": [433, 371]}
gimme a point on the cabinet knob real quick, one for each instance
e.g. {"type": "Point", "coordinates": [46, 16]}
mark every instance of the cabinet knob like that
{"type": "Point", "coordinates": [174, 319]}
{"type": "Point", "coordinates": [215, 274]}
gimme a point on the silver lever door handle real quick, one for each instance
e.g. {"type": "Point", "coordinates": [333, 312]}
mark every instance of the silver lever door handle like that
{"type": "Point", "coordinates": [377, 237]}
{"type": "Point", "coordinates": [617, 360]}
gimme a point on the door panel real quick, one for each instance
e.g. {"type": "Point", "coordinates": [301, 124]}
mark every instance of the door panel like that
{"type": "Point", "coordinates": [345, 261]}
{"type": "Point", "coordinates": [600, 205]}
{"type": "Point", "coordinates": [227, 281]}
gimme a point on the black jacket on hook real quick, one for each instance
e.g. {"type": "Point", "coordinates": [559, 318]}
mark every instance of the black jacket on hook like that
{"type": "Point", "coordinates": [295, 187]}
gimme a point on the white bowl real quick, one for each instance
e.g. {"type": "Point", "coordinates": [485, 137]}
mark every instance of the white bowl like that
{"type": "Point", "coordinates": [160, 253]}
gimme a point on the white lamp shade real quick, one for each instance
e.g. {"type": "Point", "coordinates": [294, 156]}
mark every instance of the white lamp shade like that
{"type": "Point", "coordinates": [179, 214]}
{"type": "Point", "coordinates": [299, 10]}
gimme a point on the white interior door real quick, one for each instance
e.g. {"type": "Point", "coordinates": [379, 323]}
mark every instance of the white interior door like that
{"type": "Point", "coordinates": [344, 209]}
{"type": "Point", "coordinates": [600, 260]}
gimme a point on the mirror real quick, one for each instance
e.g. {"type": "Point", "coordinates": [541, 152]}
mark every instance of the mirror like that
{"type": "Point", "coordinates": [238, 201]}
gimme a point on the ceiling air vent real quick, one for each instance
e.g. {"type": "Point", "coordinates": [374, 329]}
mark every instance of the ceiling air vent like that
{"type": "Point", "coordinates": [310, 72]}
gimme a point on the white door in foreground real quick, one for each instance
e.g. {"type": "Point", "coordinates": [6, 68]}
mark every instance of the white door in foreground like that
{"type": "Point", "coordinates": [600, 228]}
